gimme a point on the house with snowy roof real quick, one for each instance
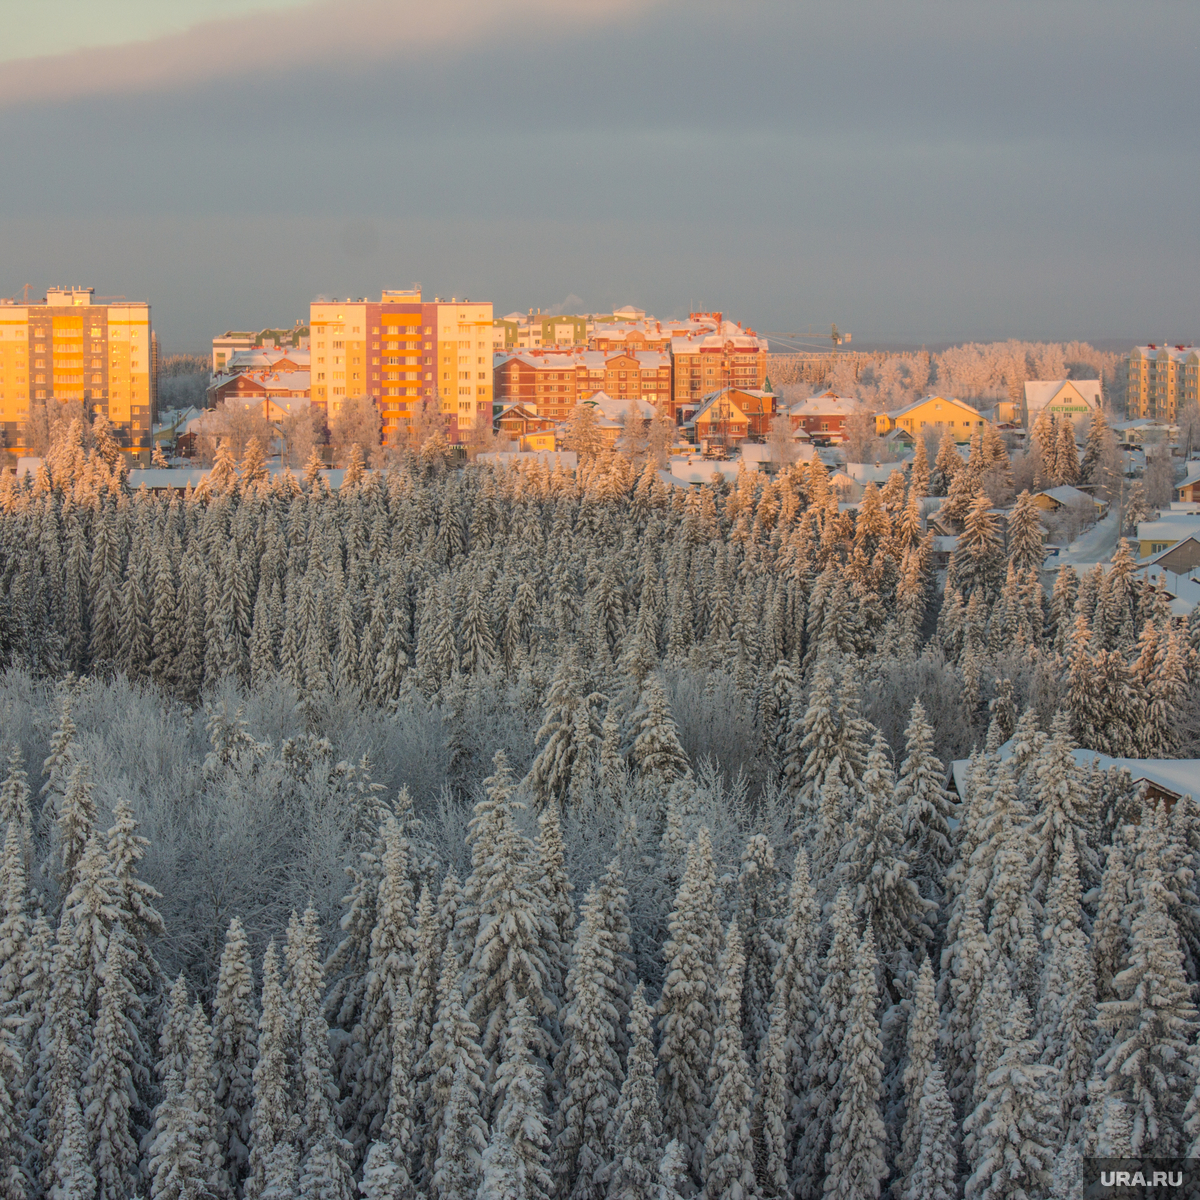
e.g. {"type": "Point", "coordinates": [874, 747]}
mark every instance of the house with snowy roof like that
{"type": "Point", "coordinates": [932, 413]}
{"type": "Point", "coordinates": [1065, 496]}
{"type": "Point", "coordinates": [1189, 488]}
{"type": "Point", "coordinates": [1167, 528]}
{"type": "Point", "coordinates": [275, 394]}
{"type": "Point", "coordinates": [1074, 398]}
{"type": "Point", "coordinates": [823, 416]}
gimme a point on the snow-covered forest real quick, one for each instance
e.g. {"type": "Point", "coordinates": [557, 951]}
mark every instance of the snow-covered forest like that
{"type": "Point", "coordinates": [510, 833]}
{"type": "Point", "coordinates": [972, 370]}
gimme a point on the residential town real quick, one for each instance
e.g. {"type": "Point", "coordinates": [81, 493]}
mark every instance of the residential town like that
{"type": "Point", "coordinates": [644, 609]}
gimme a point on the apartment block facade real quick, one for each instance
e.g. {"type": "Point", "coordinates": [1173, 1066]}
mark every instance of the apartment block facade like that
{"type": "Point", "coordinates": [702, 363]}
{"type": "Point", "coordinates": [1160, 380]}
{"type": "Point", "coordinates": [403, 351]}
{"type": "Point", "coordinates": [70, 348]}
{"type": "Point", "coordinates": [552, 382]}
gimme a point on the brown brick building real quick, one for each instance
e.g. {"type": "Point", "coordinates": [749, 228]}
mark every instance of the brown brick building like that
{"type": "Point", "coordinates": [552, 382]}
{"type": "Point", "coordinates": [730, 356]}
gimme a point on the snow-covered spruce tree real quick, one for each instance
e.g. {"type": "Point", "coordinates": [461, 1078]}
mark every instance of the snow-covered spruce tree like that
{"type": "Point", "coordinates": [201, 1100]}
{"type": "Point", "coordinates": [924, 803]}
{"type": "Point", "coordinates": [1017, 1123]}
{"type": "Point", "coordinates": [512, 928]}
{"type": "Point", "coordinates": [172, 1038]}
{"type": "Point", "coordinates": [1110, 930]}
{"type": "Point", "coordinates": [758, 898]}
{"type": "Point", "coordinates": [235, 1050]}
{"type": "Point", "coordinates": [872, 866]}
{"type": "Point", "coordinates": [687, 1015]}
{"type": "Point", "coordinates": [560, 734]}
{"type": "Point", "coordinates": [1066, 1015]}
{"type": "Point", "coordinates": [1151, 1023]}
{"type": "Point", "coordinates": [387, 1171]}
{"type": "Point", "coordinates": [1012, 932]}
{"type": "Point", "coordinates": [75, 823]}
{"type": "Point", "coordinates": [453, 1052]}
{"type": "Point", "coordinates": [461, 1142]}
{"type": "Point", "coordinates": [324, 1170]}
{"type": "Point", "coordinates": [555, 884]}
{"type": "Point", "coordinates": [637, 1121]}
{"type": "Point", "coordinates": [935, 1170]}
{"type": "Point", "coordinates": [176, 1168]}
{"type": "Point", "coordinates": [588, 1067]}
{"type": "Point", "coordinates": [920, 1060]}
{"type": "Point", "coordinates": [854, 1163]}
{"type": "Point", "coordinates": [109, 1091]}
{"type": "Point", "coordinates": [824, 1065]}
{"type": "Point", "coordinates": [14, 921]}
{"type": "Point", "coordinates": [728, 1162]}
{"type": "Point", "coordinates": [1062, 811]}
{"type": "Point", "coordinates": [519, 1100]}
{"type": "Point", "coordinates": [388, 981]}
{"type": "Point", "coordinates": [274, 1164]}
{"type": "Point", "coordinates": [781, 1085]}
{"type": "Point", "coordinates": [70, 1172]}
{"type": "Point", "coordinates": [656, 752]}
{"type": "Point", "coordinates": [12, 1116]}
{"type": "Point", "coordinates": [965, 965]}
{"type": "Point", "coordinates": [14, 804]}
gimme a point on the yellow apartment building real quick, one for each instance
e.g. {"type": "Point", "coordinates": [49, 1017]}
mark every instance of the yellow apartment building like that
{"type": "Point", "coordinates": [401, 351]}
{"type": "Point", "coordinates": [69, 348]}
{"type": "Point", "coordinates": [1160, 380]}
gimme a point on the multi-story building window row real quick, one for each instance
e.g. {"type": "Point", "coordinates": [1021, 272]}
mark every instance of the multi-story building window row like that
{"type": "Point", "coordinates": [404, 352]}
{"type": "Point", "coordinates": [702, 363]}
{"type": "Point", "coordinates": [1160, 380]}
{"type": "Point", "coordinates": [68, 348]}
{"type": "Point", "coordinates": [552, 382]}
{"type": "Point", "coordinates": [671, 364]}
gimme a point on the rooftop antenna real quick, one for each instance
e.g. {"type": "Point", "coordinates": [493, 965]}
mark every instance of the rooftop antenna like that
{"type": "Point", "coordinates": [25, 295]}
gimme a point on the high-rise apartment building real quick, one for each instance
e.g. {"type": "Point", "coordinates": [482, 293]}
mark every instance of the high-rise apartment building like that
{"type": "Point", "coordinates": [69, 348]}
{"type": "Point", "coordinates": [402, 351]}
{"type": "Point", "coordinates": [702, 363]}
{"type": "Point", "coordinates": [1161, 380]}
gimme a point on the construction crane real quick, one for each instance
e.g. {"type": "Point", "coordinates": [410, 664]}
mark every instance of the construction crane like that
{"type": "Point", "coordinates": [810, 339]}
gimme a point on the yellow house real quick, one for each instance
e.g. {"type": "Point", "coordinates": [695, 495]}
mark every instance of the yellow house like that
{"type": "Point", "coordinates": [932, 412]}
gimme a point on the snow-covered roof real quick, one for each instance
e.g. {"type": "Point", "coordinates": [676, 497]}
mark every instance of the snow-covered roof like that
{"type": "Point", "coordinates": [1175, 526]}
{"type": "Point", "coordinates": [292, 381]}
{"type": "Point", "coordinates": [1178, 353]}
{"type": "Point", "coordinates": [702, 470]}
{"type": "Point", "coordinates": [265, 357]}
{"type": "Point", "coordinates": [615, 408]}
{"type": "Point", "coordinates": [1039, 392]}
{"type": "Point", "coordinates": [706, 402]}
{"type": "Point", "coordinates": [568, 459]}
{"type": "Point", "coordinates": [1193, 476]}
{"type": "Point", "coordinates": [826, 404]}
{"type": "Point", "coordinates": [1066, 494]}
{"type": "Point", "coordinates": [158, 478]}
{"type": "Point", "coordinates": [1179, 776]}
{"type": "Point", "coordinates": [895, 413]}
{"type": "Point", "coordinates": [865, 473]}
{"type": "Point", "coordinates": [558, 359]}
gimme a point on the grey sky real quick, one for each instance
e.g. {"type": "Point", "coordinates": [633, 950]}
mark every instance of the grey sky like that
{"type": "Point", "coordinates": [915, 172]}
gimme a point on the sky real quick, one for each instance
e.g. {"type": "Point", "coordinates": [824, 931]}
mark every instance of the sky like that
{"type": "Point", "coordinates": [917, 172]}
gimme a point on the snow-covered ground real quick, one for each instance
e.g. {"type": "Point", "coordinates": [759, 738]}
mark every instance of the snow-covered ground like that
{"type": "Point", "coordinates": [1096, 545]}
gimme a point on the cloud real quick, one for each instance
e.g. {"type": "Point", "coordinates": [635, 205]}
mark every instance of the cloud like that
{"type": "Point", "coordinates": [266, 43]}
